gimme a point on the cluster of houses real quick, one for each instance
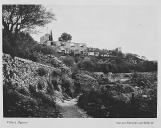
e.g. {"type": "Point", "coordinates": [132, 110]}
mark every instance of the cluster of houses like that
{"type": "Point", "coordinates": [68, 47]}
{"type": "Point", "coordinates": [64, 46]}
{"type": "Point", "coordinates": [103, 52]}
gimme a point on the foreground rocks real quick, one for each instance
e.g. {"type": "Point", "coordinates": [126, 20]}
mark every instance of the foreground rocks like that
{"type": "Point", "coordinates": [31, 86]}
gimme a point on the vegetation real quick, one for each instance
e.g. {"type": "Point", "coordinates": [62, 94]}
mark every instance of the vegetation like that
{"type": "Point", "coordinates": [25, 47]}
{"type": "Point", "coordinates": [116, 65]}
{"type": "Point", "coordinates": [18, 18]}
{"type": "Point", "coordinates": [69, 61]}
{"type": "Point", "coordinates": [65, 37]}
{"type": "Point", "coordinates": [41, 71]}
{"type": "Point", "coordinates": [113, 101]}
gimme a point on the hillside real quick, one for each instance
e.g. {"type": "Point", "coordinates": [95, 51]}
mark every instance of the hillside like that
{"type": "Point", "coordinates": [40, 90]}
{"type": "Point", "coordinates": [40, 81]}
{"type": "Point", "coordinates": [32, 84]}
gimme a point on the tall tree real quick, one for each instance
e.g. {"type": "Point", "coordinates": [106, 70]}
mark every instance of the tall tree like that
{"type": "Point", "coordinates": [51, 36]}
{"type": "Point", "coordinates": [65, 37]}
{"type": "Point", "coordinates": [20, 18]}
{"type": "Point", "coordinates": [16, 18]}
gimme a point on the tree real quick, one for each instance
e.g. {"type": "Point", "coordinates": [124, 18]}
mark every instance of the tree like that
{"type": "Point", "coordinates": [65, 37]}
{"type": "Point", "coordinates": [51, 36]}
{"type": "Point", "coordinates": [16, 18]}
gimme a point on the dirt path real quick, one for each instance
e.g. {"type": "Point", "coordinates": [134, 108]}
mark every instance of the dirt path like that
{"type": "Point", "coordinates": [69, 109]}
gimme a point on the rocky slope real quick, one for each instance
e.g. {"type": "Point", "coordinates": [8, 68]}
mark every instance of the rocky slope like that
{"type": "Point", "coordinates": [32, 85]}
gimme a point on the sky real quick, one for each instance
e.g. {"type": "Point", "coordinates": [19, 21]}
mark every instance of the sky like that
{"type": "Point", "coordinates": [132, 27]}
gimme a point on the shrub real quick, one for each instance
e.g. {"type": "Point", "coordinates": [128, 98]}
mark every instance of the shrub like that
{"type": "Point", "coordinates": [75, 71]}
{"type": "Point", "coordinates": [53, 62]}
{"type": "Point", "coordinates": [18, 45]}
{"type": "Point", "coordinates": [32, 89]}
{"type": "Point", "coordinates": [46, 98]}
{"type": "Point", "coordinates": [86, 65]}
{"type": "Point", "coordinates": [44, 49]}
{"type": "Point", "coordinates": [41, 71]}
{"type": "Point", "coordinates": [54, 80]}
{"type": "Point", "coordinates": [144, 107]}
{"type": "Point", "coordinates": [146, 66]}
{"type": "Point", "coordinates": [32, 56]}
{"type": "Point", "coordinates": [67, 84]}
{"type": "Point", "coordinates": [66, 70]}
{"type": "Point", "coordinates": [18, 105]}
{"type": "Point", "coordinates": [120, 101]}
{"type": "Point", "coordinates": [69, 61]}
{"type": "Point", "coordinates": [40, 85]}
{"type": "Point", "coordinates": [24, 91]}
{"type": "Point", "coordinates": [140, 80]}
{"type": "Point", "coordinates": [92, 102]}
{"type": "Point", "coordinates": [55, 73]}
{"type": "Point", "coordinates": [86, 82]}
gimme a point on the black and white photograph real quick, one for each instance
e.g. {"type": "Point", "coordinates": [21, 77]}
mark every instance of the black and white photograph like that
{"type": "Point", "coordinates": [79, 61]}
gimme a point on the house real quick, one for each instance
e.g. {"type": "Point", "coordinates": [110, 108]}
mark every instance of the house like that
{"type": "Point", "coordinates": [93, 52]}
{"type": "Point", "coordinates": [119, 49]}
{"type": "Point", "coordinates": [45, 38]}
{"type": "Point", "coordinates": [96, 53]}
{"type": "Point", "coordinates": [78, 48]}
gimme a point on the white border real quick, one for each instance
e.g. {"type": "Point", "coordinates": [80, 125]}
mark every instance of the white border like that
{"type": "Point", "coordinates": [84, 123]}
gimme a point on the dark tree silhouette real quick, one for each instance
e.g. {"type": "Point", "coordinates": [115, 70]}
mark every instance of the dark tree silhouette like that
{"type": "Point", "coordinates": [65, 37]}
{"type": "Point", "coordinates": [16, 18]}
{"type": "Point", "coordinates": [51, 36]}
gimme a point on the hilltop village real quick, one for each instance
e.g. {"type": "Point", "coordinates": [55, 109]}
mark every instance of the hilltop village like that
{"type": "Point", "coordinates": [66, 47]}
{"type": "Point", "coordinates": [81, 49]}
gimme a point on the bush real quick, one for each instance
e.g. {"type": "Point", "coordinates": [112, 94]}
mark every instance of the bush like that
{"type": "Point", "coordinates": [40, 85]}
{"type": "Point", "coordinates": [68, 85]}
{"type": "Point", "coordinates": [41, 71]}
{"type": "Point", "coordinates": [46, 98]}
{"type": "Point", "coordinates": [86, 65]}
{"type": "Point", "coordinates": [17, 45]}
{"type": "Point", "coordinates": [32, 89]}
{"type": "Point", "coordinates": [94, 105]}
{"type": "Point", "coordinates": [146, 66]}
{"type": "Point", "coordinates": [86, 82]}
{"type": "Point", "coordinates": [145, 107]}
{"type": "Point", "coordinates": [140, 80]}
{"type": "Point", "coordinates": [120, 101]}
{"type": "Point", "coordinates": [53, 63]}
{"type": "Point", "coordinates": [44, 49]}
{"type": "Point", "coordinates": [16, 104]}
{"type": "Point", "coordinates": [24, 91]}
{"type": "Point", "coordinates": [31, 56]}
{"type": "Point", "coordinates": [55, 73]}
{"type": "Point", "coordinates": [68, 61]}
